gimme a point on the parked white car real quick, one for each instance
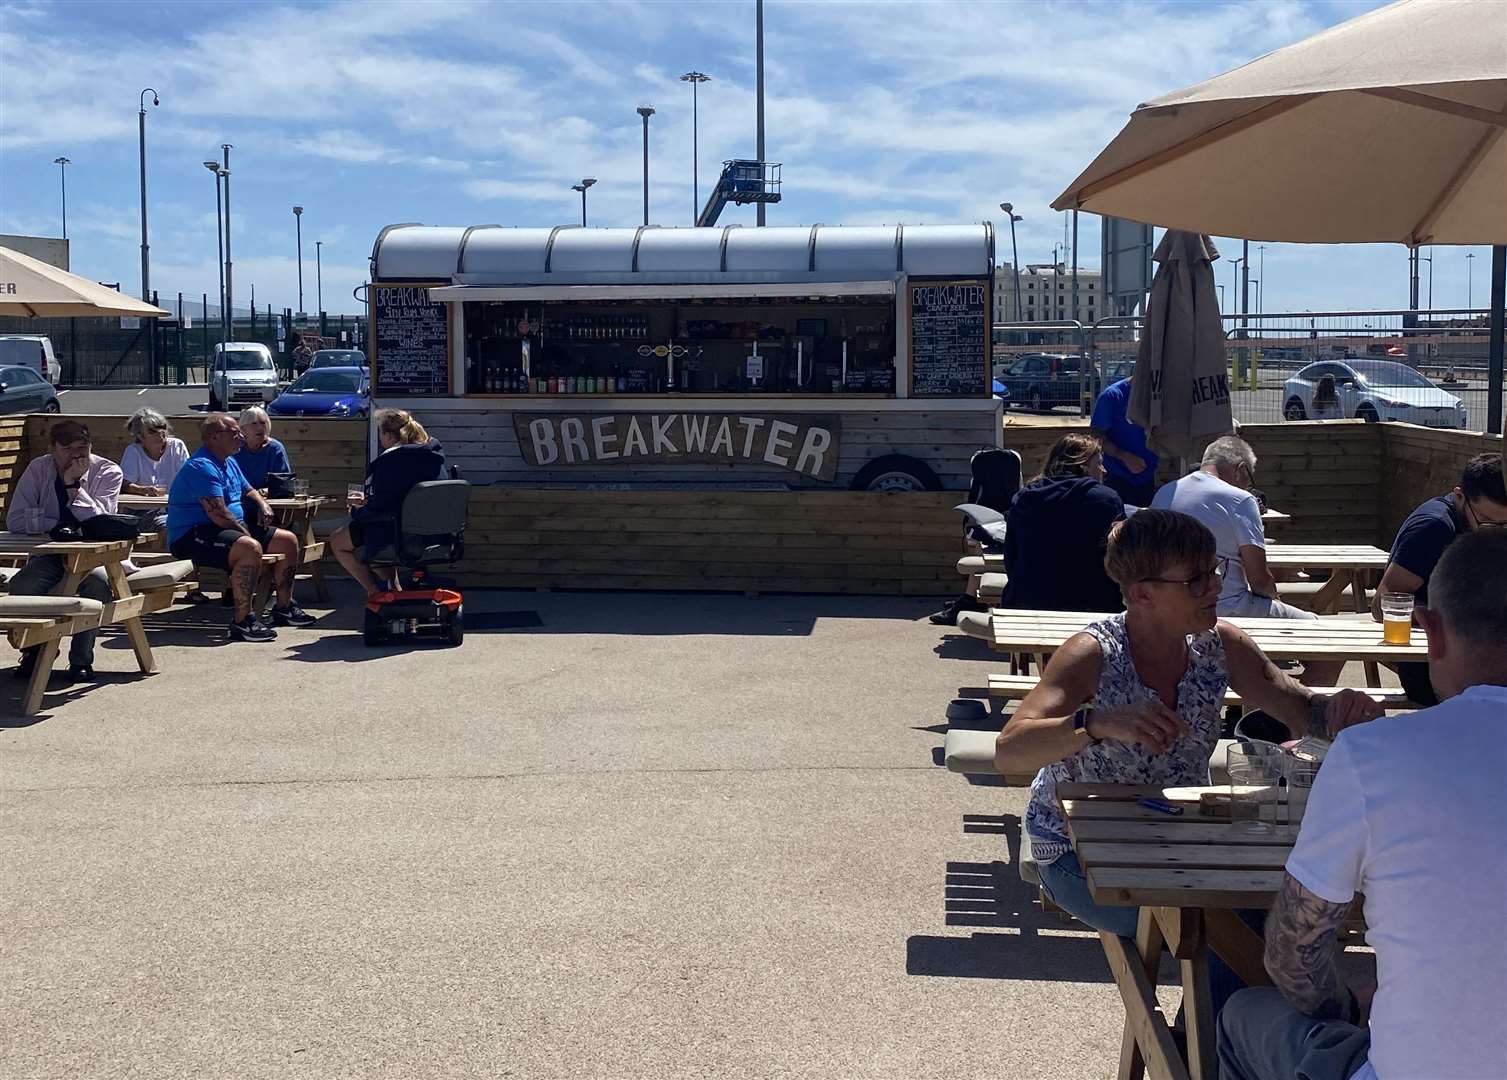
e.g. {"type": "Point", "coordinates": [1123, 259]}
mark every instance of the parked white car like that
{"type": "Point", "coordinates": [31, 351]}
{"type": "Point", "coordinates": [243, 374]}
{"type": "Point", "coordinates": [1371, 390]}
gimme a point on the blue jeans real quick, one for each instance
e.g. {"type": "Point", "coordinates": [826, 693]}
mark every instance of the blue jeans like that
{"type": "Point", "coordinates": [1065, 886]}
{"type": "Point", "coordinates": [1261, 1035]}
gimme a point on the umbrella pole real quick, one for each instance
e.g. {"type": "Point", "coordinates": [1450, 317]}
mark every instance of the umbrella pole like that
{"type": "Point", "coordinates": [1498, 316]}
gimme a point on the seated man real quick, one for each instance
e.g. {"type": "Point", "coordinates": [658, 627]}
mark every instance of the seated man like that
{"type": "Point", "coordinates": [1407, 811]}
{"type": "Point", "coordinates": [207, 523]}
{"type": "Point", "coordinates": [67, 486]}
{"type": "Point", "coordinates": [1479, 501]}
{"type": "Point", "coordinates": [1218, 495]}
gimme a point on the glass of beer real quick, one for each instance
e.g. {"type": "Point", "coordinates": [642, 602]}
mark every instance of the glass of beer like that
{"type": "Point", "coordinates": [1397, 618]}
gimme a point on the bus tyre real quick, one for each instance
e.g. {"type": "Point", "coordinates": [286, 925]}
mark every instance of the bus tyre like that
{"type": "Point", "coordinates": [896, 472]}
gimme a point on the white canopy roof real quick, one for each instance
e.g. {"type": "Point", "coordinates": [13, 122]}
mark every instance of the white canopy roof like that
{"type": "Point", "coordinates": [571, 255]}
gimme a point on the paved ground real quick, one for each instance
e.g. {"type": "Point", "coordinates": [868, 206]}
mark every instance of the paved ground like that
{"type": "Point", "coordinates": [656, 836]}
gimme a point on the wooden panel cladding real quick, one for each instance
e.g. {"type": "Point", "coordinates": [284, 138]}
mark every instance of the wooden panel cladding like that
{"type": "Point", "coordinates": [1419, 463]}
{"type": "Point", "coordinates": [483, 443]}
{"type": "Point", "coordinates": [327, 453]}
{"type": "Point", "coordinates": [766, 541]}
{"type": "Point", "coordinates": [13, 457]}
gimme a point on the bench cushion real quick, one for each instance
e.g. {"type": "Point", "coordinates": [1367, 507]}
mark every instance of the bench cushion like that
{"type": "Point", "coordinates": [161, 575]}
{"type": "Point", "coordinates": [971, 564]}
{"type": "Point", "coordinates": [975, 624]}
{"type": "Point", "coordinates": [47, 606]}
{"type": "Point", "coordinates": [993, 583]}
{"type": "Point", "coordinates": [973, 752]}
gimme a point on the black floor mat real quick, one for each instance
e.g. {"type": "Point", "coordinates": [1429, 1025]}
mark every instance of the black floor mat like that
{"type": "Point", "coordinates": [482, 621]}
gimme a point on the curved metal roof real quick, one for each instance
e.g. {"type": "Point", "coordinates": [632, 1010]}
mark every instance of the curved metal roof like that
{"type": "Point", "coordinates": [565, 255]}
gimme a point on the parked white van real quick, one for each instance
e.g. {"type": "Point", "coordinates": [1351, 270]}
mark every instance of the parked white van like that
{"type": "Point", "coordinates": [31, 351]}
{"type": "Point", "coordinates": [243, 374]}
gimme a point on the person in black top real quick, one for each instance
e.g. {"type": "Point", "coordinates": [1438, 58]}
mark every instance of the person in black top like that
{"type": "Point", "coordinates": [1479, 501]}
{"type": "Point", "coordinates": [409, 457]}
{"type": "Point", "coordinates": [1056, 532]}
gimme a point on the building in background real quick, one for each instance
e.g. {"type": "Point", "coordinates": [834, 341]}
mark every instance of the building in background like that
{"type": "Point", "coordinates": [1046, 293]}
{"type": "Point", "coordinates": [52, 250]}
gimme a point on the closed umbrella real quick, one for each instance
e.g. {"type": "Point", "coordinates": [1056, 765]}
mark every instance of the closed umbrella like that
{"type": "Point", "coordinates": [32, 288]}
{"type": "Point", "coordinates": [1181, 390]}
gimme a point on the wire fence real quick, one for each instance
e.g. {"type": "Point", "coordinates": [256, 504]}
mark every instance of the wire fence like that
{"type": "Point", "coordinates": [1429, 369]}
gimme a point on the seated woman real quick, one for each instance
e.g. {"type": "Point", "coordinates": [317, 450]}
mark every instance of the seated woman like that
{"type": "Point", "coordinates": [408, 457]}
{"type": "Point", "coordinates": [1056, 531]}
{"type": "Point", "coordinates": [1136, 698]}
{"type": "Point", "coordinates": [262, 454]}
{"type": "Point", "coordinates": [151, 462]}
{"type": "Point", "coordinates": [1326, 402]}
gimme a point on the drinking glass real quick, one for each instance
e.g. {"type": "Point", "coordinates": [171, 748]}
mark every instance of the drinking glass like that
{"type": "Point", "coordinates": [31, 520]}
{"type": "Point", "coordinates": [1397, 618]}
{"type": "Point", "coordinates": [355, 494]}
{"type": "Point", "coordinates": [1254, 776]}
{"type": "Point", "coordinates": [300, 489]}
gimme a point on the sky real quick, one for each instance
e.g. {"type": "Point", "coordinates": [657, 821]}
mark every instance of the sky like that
{"type": "Point", "coordinates": [478, 112]}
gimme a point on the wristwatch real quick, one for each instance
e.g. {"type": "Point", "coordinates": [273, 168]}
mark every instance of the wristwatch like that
{"type": "Point", "coordinates": [1080, 723]}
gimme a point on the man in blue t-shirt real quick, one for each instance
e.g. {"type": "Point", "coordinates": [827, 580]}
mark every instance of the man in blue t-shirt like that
{"type": "Point", "coordinates": [1131, 468]}
{"type": "Point", "coordinates": [1479, 501]}
{"type": "Point", "coordinates": [207, 523]}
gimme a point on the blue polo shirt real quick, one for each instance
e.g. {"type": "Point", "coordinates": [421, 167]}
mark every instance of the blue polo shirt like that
{"type": "Point", "coordinates": [203, 476]}
{"type": "Point", "coordinates": [1111, 417]}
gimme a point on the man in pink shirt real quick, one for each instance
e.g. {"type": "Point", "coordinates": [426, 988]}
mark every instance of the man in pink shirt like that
{"type": "Point", "coordinates": [66, 485]}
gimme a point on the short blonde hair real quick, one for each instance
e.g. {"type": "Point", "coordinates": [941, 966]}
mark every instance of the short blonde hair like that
{"type": "Point", "coordinates": [401, 426]}
{"type": "Point", "coordinates": [255, 412]}
{"type": "Point", "coordinates": [1150, 542]}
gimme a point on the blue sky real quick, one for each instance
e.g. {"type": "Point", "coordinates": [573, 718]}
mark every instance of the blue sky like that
{"type": "Point", "coordinates": [480, 112]}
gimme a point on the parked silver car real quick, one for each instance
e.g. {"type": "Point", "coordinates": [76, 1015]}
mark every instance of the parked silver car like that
{"type": "Point", "coordinates": [242, 374]}
{"type": "Point", "coordinates": [1370, 390]}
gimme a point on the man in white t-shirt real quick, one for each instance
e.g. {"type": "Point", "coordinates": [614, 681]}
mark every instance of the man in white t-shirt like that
{"type": "Point", "coordinates": [1407, 810]}
{"type": "Point", "coordinates": [1218, 495]}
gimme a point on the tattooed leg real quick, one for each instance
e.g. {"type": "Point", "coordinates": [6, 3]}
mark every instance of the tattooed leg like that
{"type": "Point", "coordinates": [243, 586]}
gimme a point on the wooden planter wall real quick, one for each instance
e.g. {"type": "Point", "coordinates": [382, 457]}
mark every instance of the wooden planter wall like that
{"type": "Point", "coordinates": [1343, 482]}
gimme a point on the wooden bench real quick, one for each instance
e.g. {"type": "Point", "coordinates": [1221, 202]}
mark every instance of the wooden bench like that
{"type": "Point", "coordinates": [45, 620]}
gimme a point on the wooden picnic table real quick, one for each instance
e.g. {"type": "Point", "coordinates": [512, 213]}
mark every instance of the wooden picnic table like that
{"type": "Point", "coordinates": [1038, 633]}
{"type": "Point", "coordinates": [1348, 564]}
{"type": "Point", "coordinates": [1187, 874]}
{"type": "Point", "coordinates": [78, 560]}
{"type": "Point", "coordinates": [294, 514]}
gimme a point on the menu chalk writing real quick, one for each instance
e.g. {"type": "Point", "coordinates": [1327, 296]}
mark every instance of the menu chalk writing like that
{"type": "Point", "coordinates": [410, 342]}
{"type": "Point", "coordinates": [949, 335]}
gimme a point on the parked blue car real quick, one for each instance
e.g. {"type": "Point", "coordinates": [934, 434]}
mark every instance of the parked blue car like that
{"type": "Point", "coordinates": [330, 391]}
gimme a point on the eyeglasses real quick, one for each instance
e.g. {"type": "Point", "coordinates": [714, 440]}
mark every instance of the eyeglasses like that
{"type": "Point", "coordinates": [1200, 584]}
{"type": "Point", "coordinates": [1480, 522]}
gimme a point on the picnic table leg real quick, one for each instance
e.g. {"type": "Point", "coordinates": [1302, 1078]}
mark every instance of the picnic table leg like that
{"type": "Point", "coordinates": [1326, 600]}
{"type": "Point", "coordinates": [1198, 1008]}
{"type": "Point", "coordinates": [1147, 1034]}
{"type": "Point", "coordinates": [134, 630]}
{"type": "Point", "coordinates": [1358, 582]}
{"type": "Point", "coordinates": [41, 672]}
{"type": "Point", "coordinates": [321, 590]}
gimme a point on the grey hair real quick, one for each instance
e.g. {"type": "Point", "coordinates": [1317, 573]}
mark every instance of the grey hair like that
{"type": "Point", "coordinates": [1231, 451]}
{"type": "Point", "coordinates": [145, 421]}
{"type": "Point", "coordinates": [1468, 588]}
{"type": "Point", "coordinates": [256, 412]}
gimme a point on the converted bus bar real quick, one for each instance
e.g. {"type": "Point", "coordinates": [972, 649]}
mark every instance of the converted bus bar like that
{"type": "Point", "coordinates": [672, 360]}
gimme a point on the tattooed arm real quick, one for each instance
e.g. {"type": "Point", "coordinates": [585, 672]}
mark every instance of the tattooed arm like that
{"type": "Point", "coordinates": [220, 514]}
{"type": "Point", "coordinates": [1301, 953]}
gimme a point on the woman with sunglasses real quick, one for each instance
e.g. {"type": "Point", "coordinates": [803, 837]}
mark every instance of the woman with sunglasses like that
{"type": "Point", "coordinates": [1136, 698]}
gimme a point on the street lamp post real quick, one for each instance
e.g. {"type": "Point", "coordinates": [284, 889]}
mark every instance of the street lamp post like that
{"type": "Point", "coordinates": [218, 171]}
{"type": "Point", "coordinates": [759, 99]}
{"type": "Point", "coordinates": [1470, 281]}
{"type": "Point", "coordinates": [646, 111]}
{"type": "Point", "coordinates": [585, 183]}
{"type": "Point", "coordinates": [298, 226]}
{"type": "Point", "coordinates": [319, 278]}
{"type": "Point", "coordinates": [229, 266]}
{"type": "Point", "coordinates": [1221, 297]}
{"type": "Point", "coordinates": [695, 78]}
{"type": "Point", "coordinates": [62, 163]}
{"type": "Point", "coordinates": [1010, 213]}
{"type": "Point", "coordinates": [141, 133]}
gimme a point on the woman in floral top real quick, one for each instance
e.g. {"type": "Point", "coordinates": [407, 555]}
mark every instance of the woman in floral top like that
{"type": "Point", "coordinates": [1136, 698]}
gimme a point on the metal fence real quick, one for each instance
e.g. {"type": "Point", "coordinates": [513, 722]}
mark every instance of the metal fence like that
{"type": "Point", "coordinates": [1428, 368]}
{"type": "Point", "coordinates": [94, 352]}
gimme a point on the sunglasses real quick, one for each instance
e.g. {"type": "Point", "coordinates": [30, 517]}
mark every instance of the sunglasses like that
{"type": "Point", "coordinates": [1480, 522]}
{"type": "Point", "coordinates": [1199, 585]}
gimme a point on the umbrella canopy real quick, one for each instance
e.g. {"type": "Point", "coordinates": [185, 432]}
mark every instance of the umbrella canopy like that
{"type": "Point", "coordinates": [1181, 391]}
{"type": "Point", "coordinates": [1391, 127]}
{"type": "Point", "coordinates": [30, 287]}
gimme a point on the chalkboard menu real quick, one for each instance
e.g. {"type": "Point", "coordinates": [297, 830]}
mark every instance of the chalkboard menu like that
{"type": "Point", "coordinates": [410, 342]}
{"type": "Point", "coordinates": [949, 338]}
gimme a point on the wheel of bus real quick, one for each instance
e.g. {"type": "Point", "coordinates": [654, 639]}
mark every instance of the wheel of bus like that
{"type": "Point", "coordinates": [896, 472]}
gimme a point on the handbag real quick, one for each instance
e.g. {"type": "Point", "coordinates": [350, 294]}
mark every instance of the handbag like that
{"type": "Point", "coordinates": [110, 527]}
{"type": "Point", "coordinates": [280, 485]}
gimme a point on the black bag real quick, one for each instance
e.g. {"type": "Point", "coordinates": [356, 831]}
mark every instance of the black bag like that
{"type": "Point", "coordinates": [280, 485]}
{"type": "Point", "coordinates": [111, 527]}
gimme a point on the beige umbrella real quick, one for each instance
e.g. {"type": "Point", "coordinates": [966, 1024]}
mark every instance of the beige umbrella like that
{"type": "Point", "coordinates": [30, 287]}
{"type": "Point", "coordinates": [1391, 127]}
{"type": "Point", "coordinates": [1181, 392]}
